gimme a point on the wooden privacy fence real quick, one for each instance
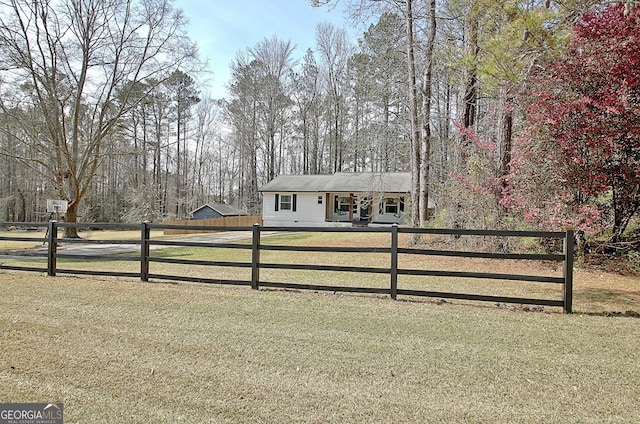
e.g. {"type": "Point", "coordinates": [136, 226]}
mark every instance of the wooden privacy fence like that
{"type": "Point", "coordinates": [227, 221]}
{"type": "Point", "coordinates": [145, 243]}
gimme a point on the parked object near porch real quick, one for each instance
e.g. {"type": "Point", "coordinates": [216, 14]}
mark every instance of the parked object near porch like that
{"type": "Point", "coordinates": [360, 198]}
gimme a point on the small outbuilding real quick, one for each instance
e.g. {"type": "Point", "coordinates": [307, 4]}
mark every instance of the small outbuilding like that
{"type": "Point", "coordinates": [343, 198]}
{"type": "Point", "coordinates": [216, 210]}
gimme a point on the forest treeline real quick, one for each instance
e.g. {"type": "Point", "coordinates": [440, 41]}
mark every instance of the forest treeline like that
{"type": "Point", "coordinates": [509, 114]}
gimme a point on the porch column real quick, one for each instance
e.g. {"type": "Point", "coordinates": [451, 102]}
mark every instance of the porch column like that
{"type": "Point", "coordinates": [351, 207]}
{"type": "Point", "coordinates": [327, 207]}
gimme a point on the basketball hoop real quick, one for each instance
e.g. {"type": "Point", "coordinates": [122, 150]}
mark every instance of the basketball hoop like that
{"type": "Point", "coordinates": [57, 206]}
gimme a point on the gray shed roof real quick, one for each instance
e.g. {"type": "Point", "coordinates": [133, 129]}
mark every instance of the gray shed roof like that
{"type": "Point", "coordinates": [224, 210]}
{"type": "Point", "coordinates": [356, 182]}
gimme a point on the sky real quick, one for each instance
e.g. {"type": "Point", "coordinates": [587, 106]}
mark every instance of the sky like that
{"type": "Point", "coordinates": [221, 28]}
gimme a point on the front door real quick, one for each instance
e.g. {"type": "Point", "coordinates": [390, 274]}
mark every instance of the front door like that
{"type": "Point", "coordinates": [365, 208]}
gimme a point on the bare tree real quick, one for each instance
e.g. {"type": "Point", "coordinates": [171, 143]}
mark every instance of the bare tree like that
{"type": "Point", "coordinates": [242, 113]}
{"type": "Point", "coordinates": [383, 47]}
{"type": "Point", "coordinates": [334, 50]}
{"type": "Point", "coordinates": [275, 57]}
{"type": "Point", "coordinates": [207, 115]}
{"type": "Point", "coordinates": [469, 104]}
{"type": "Point", "coordinates": [419, 131]}
{"type": "Point", "coordinates": [413, 115]}
{"type": "Point", "coordinates": [306, 95]}
{"type": "Point", "coordinates": [77, 58]}
{"type": "Point", "coordinates": [425, 157]}
{"type": "Point", "coordinates": [184, 95]}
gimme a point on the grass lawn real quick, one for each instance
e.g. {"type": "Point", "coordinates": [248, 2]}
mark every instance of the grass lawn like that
{"type": "Point", "coordinates": [118, 350]}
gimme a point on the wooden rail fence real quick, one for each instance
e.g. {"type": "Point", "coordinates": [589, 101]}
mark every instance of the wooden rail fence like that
{"type": "Point", "coordinates": [146, 259]}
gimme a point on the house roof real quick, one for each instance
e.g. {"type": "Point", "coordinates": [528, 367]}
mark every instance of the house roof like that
{"type": "Point", "coordinates": [224, 210]}
{"type": "Point", "coordinates": [356, 182]}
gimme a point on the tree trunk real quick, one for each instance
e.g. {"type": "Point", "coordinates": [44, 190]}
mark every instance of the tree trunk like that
{"type": "Point", "coordinates": [507, 136]}
{"type": "Point", "coordinates": [426, 117]}
{"type": "Point", "coordinates": [413, 114]}
{"type": "Point", "coordinates": [625, 206]}
{"type": "Point", "coordinates": [71, 216]}
{"type": "Point", "coordinates": [470, 99]}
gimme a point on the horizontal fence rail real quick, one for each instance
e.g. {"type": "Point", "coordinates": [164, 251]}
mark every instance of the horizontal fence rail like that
{"type": "Point", "coordinates": [139, 250]}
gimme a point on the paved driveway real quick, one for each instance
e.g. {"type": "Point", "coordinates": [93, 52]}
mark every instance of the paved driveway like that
{"type": "Point", "coordinates": [95, 249]}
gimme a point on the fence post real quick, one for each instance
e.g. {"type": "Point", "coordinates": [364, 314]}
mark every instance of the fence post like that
{"type": "Point", "coordinates": [394, 261]}
{"type": "Point", "coordinates": [567, 271]}
{"type": "Point", "coordinates": [255, 257]}
{"type": "Point", "coordinates": [52, 248]}
{"type": "Point", "coordinates": [145, 234]}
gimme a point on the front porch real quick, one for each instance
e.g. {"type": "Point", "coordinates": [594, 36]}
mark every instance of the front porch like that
{"type": "Point", "coordinates": [363, 209]}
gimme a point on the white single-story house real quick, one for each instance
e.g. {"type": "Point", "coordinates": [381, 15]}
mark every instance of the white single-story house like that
{"type": "Point", "coordinates": [340, 199]}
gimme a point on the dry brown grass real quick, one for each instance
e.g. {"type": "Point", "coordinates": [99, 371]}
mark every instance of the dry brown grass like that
{"type": "Point", "coordinates": [116, 350]}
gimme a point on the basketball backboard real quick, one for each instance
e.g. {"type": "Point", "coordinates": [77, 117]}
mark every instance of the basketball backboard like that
{"type": "Point", "coordinates": [57, 206]}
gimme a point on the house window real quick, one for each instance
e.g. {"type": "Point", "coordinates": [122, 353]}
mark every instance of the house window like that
{"type": "Point", "coordinates": [391, 205]}
{"type": "Point", "coordinates": [285, 202]}
{"type": "Point", "coordinates": [319, 200]}
{"type": "Point", "coordinates": [344, 204]}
